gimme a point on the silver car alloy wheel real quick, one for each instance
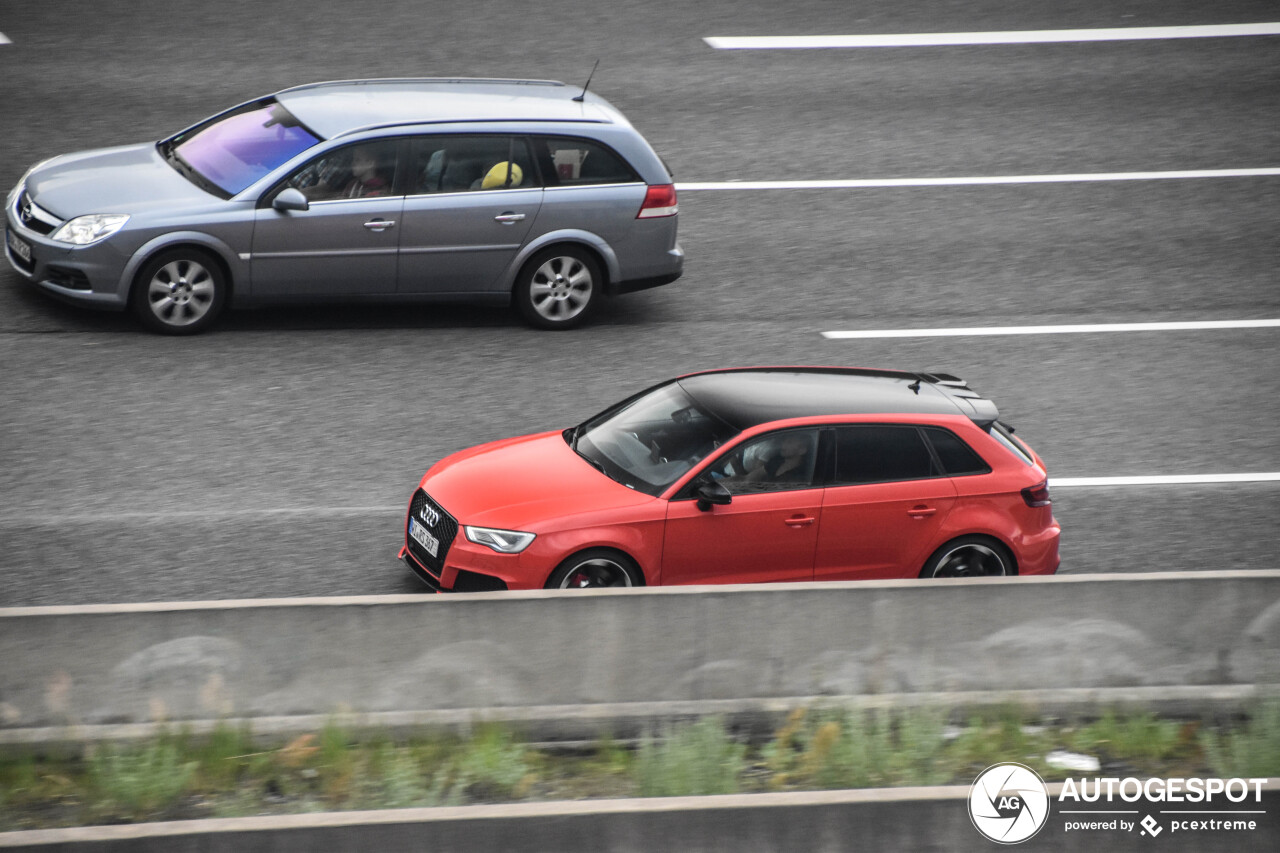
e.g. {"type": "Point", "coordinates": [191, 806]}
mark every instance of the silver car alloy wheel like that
{"type": "Point", "coordinates": [181, 292]}
{"type": "Point", "coordinates": [969, 561]}
{"type": "Point", "coordinates": [594, 573]}
{"type": "Point", "coordinates": [561, 288]}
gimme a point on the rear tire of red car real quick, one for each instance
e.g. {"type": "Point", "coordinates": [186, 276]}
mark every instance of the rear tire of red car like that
{"type": "Point", "coordinates": [559, 288]}
{"type": "Point", "coordinates": [179, 292]}
{"type": "Point", "coordinates": [970, 557]}
{"type": "Point", "coordinates": [596, 568]}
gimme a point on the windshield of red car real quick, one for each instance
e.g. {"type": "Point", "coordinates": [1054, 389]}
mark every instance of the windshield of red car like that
{"type": "Point", "coordinates": [652, 441]}
{"type": "Point", "coordinates": [237, 149]}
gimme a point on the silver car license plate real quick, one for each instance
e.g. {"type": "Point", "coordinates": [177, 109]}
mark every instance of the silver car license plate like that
{"type": "Point", "coordinates": [424, 538]}
{"type": "Point", "coordinates": [19, 247]}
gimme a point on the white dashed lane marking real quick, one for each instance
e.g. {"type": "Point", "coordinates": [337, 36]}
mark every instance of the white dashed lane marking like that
{"type": "Point", "coordinates": [1187, 326]}
{"type": "Point", "coordinates": [874, 183]}
{"type": "Point", "coordinates": [1001, 37]}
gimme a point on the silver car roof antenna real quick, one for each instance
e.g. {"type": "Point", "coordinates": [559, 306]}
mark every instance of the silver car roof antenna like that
{"type": "Point", "coordinates": [583, 96]}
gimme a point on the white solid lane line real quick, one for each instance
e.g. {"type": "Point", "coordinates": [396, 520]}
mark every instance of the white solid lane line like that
{"type": "Point", "coordinates": [1000, 37]}
{"type": "Point", "coordinates": [1188, 326]}
{"type": "Point", "coordinates": [1173, 480]}
{"type": "Point", "coordinates": [871, 183]}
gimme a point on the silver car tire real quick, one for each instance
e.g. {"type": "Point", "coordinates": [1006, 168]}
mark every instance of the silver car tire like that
{"type": "Point", "coordinates": [179, 292]}
{"type": "Point", "coordinates": [970, 557]}
{"type": "Point", "coordinates": [598, 568]}
{"type": "Point", "coordinates": [559, 288]}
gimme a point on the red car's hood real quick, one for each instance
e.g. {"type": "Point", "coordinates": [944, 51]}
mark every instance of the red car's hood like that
{"type": "Point", "coordinates": [523, 483]}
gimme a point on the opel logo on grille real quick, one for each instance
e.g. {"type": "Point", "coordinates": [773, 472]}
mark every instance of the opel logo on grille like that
{"type": "Point", "coordinates": [429, 515]}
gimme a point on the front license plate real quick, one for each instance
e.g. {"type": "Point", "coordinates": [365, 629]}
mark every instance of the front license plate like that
{"type": "Point", "coordinates": [19, 247]}
{"type": "Point", "coordinates": [424, 538]}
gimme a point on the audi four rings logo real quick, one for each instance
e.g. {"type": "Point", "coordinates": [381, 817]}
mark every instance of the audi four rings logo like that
{"type": "Point", "coordinates": [429, 515]}
{"type": "Point", "coordinates": [1008, 803]}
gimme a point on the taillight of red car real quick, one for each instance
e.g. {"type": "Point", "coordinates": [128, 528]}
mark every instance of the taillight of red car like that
{"type": "Point", "coordinates": [1037, 495]}
{"type": "Point", "coordinates": [660, 200]}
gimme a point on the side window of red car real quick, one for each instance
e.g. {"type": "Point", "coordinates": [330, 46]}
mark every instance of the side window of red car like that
{"type": "Point", "coordinates": [777, 462]}
{"type": "Point", "coordinates": [958, 459]}
{"type": "Point", "coordinates": [882, 454]}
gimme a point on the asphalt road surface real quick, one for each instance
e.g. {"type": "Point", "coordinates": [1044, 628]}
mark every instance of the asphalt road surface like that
{"type": "Point", "coordinates": [274, 456]}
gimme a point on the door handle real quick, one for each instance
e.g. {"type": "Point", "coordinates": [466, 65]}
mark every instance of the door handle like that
{"type": "Point", "coordinates": [380, 224]}
{"type": "Point", "coordinates": [921, 511]}
{"type": "Point", "coordinates": [799, 521]}
{"type": "Point", "coordinates": [508, 218]}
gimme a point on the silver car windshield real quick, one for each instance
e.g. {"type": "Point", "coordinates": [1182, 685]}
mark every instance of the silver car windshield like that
{"type": "Point", "coordinates": [235, 150]}
{"type": "Point", "coordinates": [652, 441]}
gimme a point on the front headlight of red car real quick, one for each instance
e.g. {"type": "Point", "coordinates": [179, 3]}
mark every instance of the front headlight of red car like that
{"type": "Point", "coordinates": [502, 541]}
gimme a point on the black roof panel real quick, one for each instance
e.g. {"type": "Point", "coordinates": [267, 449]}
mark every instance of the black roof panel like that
{"type": "Point", "coordinates": [747, 397]}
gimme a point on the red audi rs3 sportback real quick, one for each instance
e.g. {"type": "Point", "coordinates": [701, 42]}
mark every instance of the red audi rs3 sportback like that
{"type": "Point", "coordinates": [743, 476]}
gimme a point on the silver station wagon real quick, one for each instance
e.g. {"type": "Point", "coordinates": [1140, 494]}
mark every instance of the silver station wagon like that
{"type": "Point", "coordinates": [523, 192]}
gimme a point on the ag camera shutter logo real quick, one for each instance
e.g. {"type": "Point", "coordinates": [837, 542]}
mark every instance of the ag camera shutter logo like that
{"type": "Point", "coordinates": [1008, 803]}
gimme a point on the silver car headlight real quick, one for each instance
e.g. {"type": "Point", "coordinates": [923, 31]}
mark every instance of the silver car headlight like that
{"type": "Point", "coordinates": [502, 541]}
{"type": "Point", "coordinates": [84, 230]}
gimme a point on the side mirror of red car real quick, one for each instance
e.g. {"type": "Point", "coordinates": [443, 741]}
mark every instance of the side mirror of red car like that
{"type": "Point", "coordinates": [712, 493]}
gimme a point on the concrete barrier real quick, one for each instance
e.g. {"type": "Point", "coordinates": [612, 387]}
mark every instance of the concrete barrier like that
{"type": "Point", "coordinates": [916, 820]}
{"type": "Point", "coordinates": [129, 664]}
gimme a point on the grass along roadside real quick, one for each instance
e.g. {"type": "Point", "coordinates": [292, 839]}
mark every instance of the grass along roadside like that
{"type": "Point", "coordinates": [175, 775]}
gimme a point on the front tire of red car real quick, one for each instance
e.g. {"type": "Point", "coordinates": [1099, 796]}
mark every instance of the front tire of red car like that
{"type": "Point", "coordinates": [597, 568]}
{"type": "Point", "coordinates": [970, 557]}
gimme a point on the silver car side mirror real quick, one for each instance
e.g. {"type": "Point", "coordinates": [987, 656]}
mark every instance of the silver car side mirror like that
{"type": "Point", "coordinates": [290, 199]}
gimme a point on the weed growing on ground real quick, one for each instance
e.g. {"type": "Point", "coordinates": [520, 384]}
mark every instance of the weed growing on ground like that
{"type": "Point", "coordinates": [696, 759]}
{"type": "Point", "coordinates": [858, 749]}
{"type": "Point", "coordinates": [397, 778]}
{"type": "Point", "coordinates": [335, 763]}
{"type": "Point", "coordinates": [223, 773]}
{"type": "Point", "coordinates": [137, 780]}
{"type": "Point", "coordinates": [1136, 736]}
{"type": "Point", "coordinates": [1253, 750]}
{"type": "Point", "coordinates": [612, 758]}
{"type": "Point", "coordinates": [222, 757]}
{"type": "Point", "coordinates": [492, 766]}
{"type": "Point", "coordinates": [1004, 733]}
